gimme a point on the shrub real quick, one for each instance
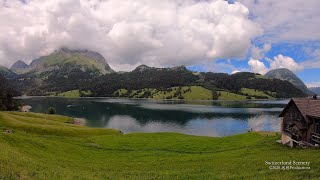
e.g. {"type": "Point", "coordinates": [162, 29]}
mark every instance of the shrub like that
{"type": "Point", "coordinates": [51, 110]}
{"type": "Point", "coordinates": [180, 97]}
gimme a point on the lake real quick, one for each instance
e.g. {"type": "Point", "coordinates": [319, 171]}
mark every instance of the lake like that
{"type": "Point", "coordinates": [202, 118]}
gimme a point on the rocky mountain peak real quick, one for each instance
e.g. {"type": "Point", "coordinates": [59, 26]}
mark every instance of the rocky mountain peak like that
{"type": "Point", "coordinates": [287, 75]}
{"type": "Point", "coordinates": [142, 68]}
{"type": "Point", "coordinates": [19, 67]}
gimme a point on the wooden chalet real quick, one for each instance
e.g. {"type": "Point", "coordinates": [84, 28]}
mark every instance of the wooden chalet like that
{"type": "Point", "coordinates": [301, 123]}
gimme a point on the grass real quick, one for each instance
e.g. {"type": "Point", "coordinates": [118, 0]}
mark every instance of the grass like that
{"type": "Point", "coordinates": [253, 92]}
{"type": "Point", "coordinates": [196, 93]}
{"type": "Point", "coordinates": [224, 95]}
{"type": "Point", "coordinates": [261, 77]}
{"type": "Point", "coordinates": [49, 147]}
{"type": "Point", "coordinates": [121, 92]}
{"type": "Point", "coordinates": [74, 94]}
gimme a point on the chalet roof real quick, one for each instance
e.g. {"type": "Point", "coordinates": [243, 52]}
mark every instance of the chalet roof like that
{"type": "Point", "coordinates": [307, 107]}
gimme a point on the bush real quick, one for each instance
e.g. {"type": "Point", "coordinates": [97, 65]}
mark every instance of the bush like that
{"type": "Point", "coordinates": [215, 95]}
{"type": "Point", "coordinates": [51, 110]}
{"type": "Point", "coordinates": [180, 97]}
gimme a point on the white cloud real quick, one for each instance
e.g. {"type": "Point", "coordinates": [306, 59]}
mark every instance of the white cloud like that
{"type": "Point", "coordinates": [235, 71]}
{"type": "Point", "coordinates": [314, 61]}
{"type": "Point", "coordinates": [311, 64]}
{"type": "Point", "coordinates": [127, 32]}
{"type": "Point", "coordinates": [313, 84]}
{"type": "Point", "coordinates": [281, 61]}
{"type": "Point", "coordinates": [259, 53]}
{"type": "Point", "coordinates": [294, 20]}
{"type": "Point", "coordinates": [277, 62]}
{"type": "Point", "coordinates": [257, 66]}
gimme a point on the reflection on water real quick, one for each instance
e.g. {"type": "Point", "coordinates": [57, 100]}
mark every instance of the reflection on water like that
{"type": "Point", "coordinates": [207, 118]}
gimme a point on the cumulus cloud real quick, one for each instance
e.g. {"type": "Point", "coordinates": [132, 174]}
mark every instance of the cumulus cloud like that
{"type": "Point", "coordinates": [259, 53]}
{"type": "Point", "coordinates": [294, 20]}
{"type": "Point", "coordinates": [279, 61]}
{"type": "Point", "coordinates": [127, 32]}
{"type": "Point", "coordinates": [257, 66]}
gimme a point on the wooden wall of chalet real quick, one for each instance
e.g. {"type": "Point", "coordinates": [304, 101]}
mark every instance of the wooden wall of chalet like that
{"type": "Point", "coordinates": [311, 128]}
{"type": "Point", "coordinates": [293, 114]}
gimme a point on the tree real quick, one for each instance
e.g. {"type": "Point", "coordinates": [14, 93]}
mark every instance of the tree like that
{"type": "Point", "coordinates": [7, 103]}
{"type": "Point", "coordinates": [51, 110]}
{"type": "Point", "coordinates": [215, 95]}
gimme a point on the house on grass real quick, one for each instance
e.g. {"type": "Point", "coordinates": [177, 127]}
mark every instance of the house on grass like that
{"type": "Point", "coordinates": [301, 123]}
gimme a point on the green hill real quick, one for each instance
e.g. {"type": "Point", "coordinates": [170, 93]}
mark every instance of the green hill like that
{"type": "Point", "coordinates": [38, 146]}
{"type": "Point", "coordinates": [61, 71]}
{"type": "Point", "coordinates": [65, 60]}
{"type": "Point", "coordinates": [67, 70]}
{"type": "Point", "coordinates": [180, 83]}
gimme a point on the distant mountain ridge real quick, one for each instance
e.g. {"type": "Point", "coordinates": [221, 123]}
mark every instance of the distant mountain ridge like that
{"type": "Point", "coordinates": [19, 67]}
{"type": "Point", "coordinates": [287, 75]}
{"type": "Point", "coordinates": [7, 73]}
{"type": "Point", "coordinates": [316, 90]}
{"type": "Point", "coordinates": [143, 68]}
{"type": "Point", "coordinates": [80, 71]}
{"type": "Point", "coordinates": [65, 59]}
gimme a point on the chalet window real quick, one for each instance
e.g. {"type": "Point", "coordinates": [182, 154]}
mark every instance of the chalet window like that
{"type": "Point", "coordinates": [287, 128]}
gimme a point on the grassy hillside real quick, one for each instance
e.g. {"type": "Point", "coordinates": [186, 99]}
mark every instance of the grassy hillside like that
{"type": "Point", "coordinates": [74, 94]}
{"type": "Point", "coordinates": [224, 95]}
{"type": "Point", "coordinates": [185, 92]}
{"type": "Point", "coordinates": [188, 93]}
{"type": "Point", "coordinates": [61, 59]}
{"type": "Point", "coordinates": [194, 93]}
{"type": "Point", "coordinates": [256, 93]}
{"type": "Point", "coordinates": [49, 147]}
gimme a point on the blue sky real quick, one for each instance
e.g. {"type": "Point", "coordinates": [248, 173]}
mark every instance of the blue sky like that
{"type": "Point", "coordinates": [304, 50]}
{"type": "Point", "coordinates": [204, 35]}
{"type": "Point", "coordinates": [296, 50]}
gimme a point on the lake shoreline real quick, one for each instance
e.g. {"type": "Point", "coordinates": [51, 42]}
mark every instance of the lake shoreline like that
{"type": "Point", "coordinates": [61, 148]}
{"type": "Point", "coordinates": [168, 100]}
{"type": "Point", "coordinates": [201, 118]}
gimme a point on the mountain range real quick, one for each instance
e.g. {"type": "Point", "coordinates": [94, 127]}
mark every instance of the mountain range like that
{"type": "Point", "coordinates": [287, 75]}
{"type": "Point", "coordinates": [80, 71]}
{"type": "Point", "coordinates": [315, 90]}
{"type": "Point", "coordinates": [7, 73]}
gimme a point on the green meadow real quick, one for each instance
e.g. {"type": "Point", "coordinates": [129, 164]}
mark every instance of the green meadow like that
{"type": "Point", "coordinates": [40, 146]}
{"type": "Point", "coordinates": [73, 94]}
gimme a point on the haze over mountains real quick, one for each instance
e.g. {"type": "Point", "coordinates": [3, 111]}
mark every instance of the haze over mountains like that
{"type": "Point", "coordinates": [315, 90]}
{"type": "Point", "coordinates": [67, 70]}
